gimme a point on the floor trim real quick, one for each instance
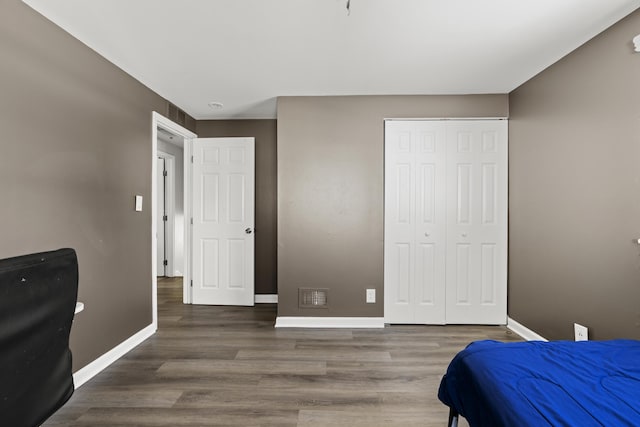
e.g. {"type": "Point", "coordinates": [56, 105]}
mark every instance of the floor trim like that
{"type": "Point", "coordinates": [329, 322]}
{"type": "Point", "coordinates": [94, 368]}
{"type": "Point", "coordinates": [523, 331]}
{"type": "Point", "coordinates": [266, 299]}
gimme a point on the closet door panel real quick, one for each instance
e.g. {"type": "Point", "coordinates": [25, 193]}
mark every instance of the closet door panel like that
{"type": "Point", "coordinates": [399, 236]}
{"type": "Point", "coordinates": [477, 214]}
{"type": "Point", "coordinates": [415, 220]}
{"type": "Point", "coordinates": [431, 217]}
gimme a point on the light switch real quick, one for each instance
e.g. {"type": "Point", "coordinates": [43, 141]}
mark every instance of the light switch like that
{"type": "Point", "coordinates": [371, 296]}
{"type": "Point", "coordinates": [138, 203]}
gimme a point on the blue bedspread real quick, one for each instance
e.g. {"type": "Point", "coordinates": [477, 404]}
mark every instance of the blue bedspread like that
{"type": "Point", "coordinates": [561, 383]}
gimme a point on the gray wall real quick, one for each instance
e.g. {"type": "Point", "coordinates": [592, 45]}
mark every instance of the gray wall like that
{"type": "Point", "coordinates": [330, 192]}
{"type": "Point", "coordinates": [264, 131]}
{"type": "Point", "coordinates": [574, 194]}
{"type": "Point", "coordinates": [76, 149]}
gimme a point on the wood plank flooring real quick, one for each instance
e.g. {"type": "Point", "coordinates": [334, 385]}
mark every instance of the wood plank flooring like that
{"type": "Point", "coordinates": [228, 366]}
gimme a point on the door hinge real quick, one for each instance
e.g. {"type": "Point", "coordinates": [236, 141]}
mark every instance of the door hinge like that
{"type": "Point", "coordinates": [164, 173]}
{"type": "Point", "coordinates": [191, 221]}
{"type": "Point", "coordinates": [191, 159]}
{"type": "Point", "coordinates": [165, 218]}
{"type": "Point", "coordinates": [192, 283]}
{"type": "Point", "coordinates": [165, 262]}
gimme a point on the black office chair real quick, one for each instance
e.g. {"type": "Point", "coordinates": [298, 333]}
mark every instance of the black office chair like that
{"type": "Point", "coordinates": [38, 295]}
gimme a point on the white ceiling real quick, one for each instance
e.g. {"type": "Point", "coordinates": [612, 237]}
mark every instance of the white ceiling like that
{"type": "Point", "coordinates": [245, 53]}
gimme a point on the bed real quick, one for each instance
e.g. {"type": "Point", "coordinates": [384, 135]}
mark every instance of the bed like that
{"type": "Point", "coordinates": [535, 383]}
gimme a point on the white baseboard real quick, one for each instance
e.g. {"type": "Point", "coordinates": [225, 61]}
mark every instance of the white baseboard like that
{"type": "Point", "coordinates": [94, 368]}
{"type": "Point", "coordinates": [329, 322]}
{"type": "Point", "coordinates": [266, 299]}
{"type": "Point", "coordinates": [523, 331]}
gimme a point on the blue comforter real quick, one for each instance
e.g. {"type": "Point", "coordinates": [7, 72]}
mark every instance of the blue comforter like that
{"type": "Point", "coordinates": [561, 383]}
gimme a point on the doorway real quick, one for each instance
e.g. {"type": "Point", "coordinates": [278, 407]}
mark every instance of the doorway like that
{"type": "Point", "coordinates": [168, 140]}
{"type": "Point", "coordinates": [239, 211]}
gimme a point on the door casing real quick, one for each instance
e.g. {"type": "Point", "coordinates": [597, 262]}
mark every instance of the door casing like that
{"type": "Point", "coordinates": [158, 120]}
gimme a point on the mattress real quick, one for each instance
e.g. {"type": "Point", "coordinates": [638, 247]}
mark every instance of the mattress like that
{"type": "Point", "coordinates": [535, 383]}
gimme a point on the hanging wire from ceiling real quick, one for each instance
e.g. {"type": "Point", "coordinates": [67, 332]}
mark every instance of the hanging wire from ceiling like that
{"type": "Point", "coordinates": [348, 7]}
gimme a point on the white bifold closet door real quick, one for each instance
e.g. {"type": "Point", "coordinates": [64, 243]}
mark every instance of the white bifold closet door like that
{"type": "Point", "coordinates": [445, 244]}
{"type": "Point", "coordinates": [415, 235]}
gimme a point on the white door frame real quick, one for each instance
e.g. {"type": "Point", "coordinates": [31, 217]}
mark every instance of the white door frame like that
{"type": "Point", "coordinates": [188, 217]}
{"type": "Point", "coordinates": [170, 210]}
{"type": "Point", "coordinates": [158, 120]}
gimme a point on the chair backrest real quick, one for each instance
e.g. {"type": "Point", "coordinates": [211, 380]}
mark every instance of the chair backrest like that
{"type": "Point", "coordinates": [38, 294]}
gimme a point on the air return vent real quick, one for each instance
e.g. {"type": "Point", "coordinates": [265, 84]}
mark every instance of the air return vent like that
{"type": "Point", "coordinates": [312, 298]}
{"type": "Point", "coordinates": [176, 114]}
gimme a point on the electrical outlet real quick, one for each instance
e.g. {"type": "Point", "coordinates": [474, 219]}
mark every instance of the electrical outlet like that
{"type": "Point", "coordinates": [581, 332]}
{"type": "Point", "coordinates": [371, 296]}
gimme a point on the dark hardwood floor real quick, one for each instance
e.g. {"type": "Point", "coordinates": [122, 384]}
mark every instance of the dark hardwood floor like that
{"type": "Point", "coordinates": [214, 366]}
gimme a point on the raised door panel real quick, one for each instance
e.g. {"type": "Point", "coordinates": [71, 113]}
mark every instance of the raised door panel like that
{"type": "Point", "coordinates": [210, 269]}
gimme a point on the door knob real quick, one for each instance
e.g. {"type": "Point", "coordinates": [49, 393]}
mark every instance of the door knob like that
{"type": "Point", "coordinates": [464, 234]}
{"type": "Point", "coordinates": [247, 230]}
{"type": "Point", "coordinates": [426, 234]}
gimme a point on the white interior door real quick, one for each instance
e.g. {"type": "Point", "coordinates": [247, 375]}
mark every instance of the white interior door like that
{"type": "Point", "coordinates": [477, 222]}
{"type": "Point", "coordinates": [161, 212]}
{"type": "Point", "coordinates": [223, 188]}
{"type": "Point", "coordinates": [415, 222]}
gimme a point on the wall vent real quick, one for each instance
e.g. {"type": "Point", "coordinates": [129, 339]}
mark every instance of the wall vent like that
{"type": "Point", "coordinates": [176, 114]}
{"type": "Point", "coordinates": [312, 298]}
